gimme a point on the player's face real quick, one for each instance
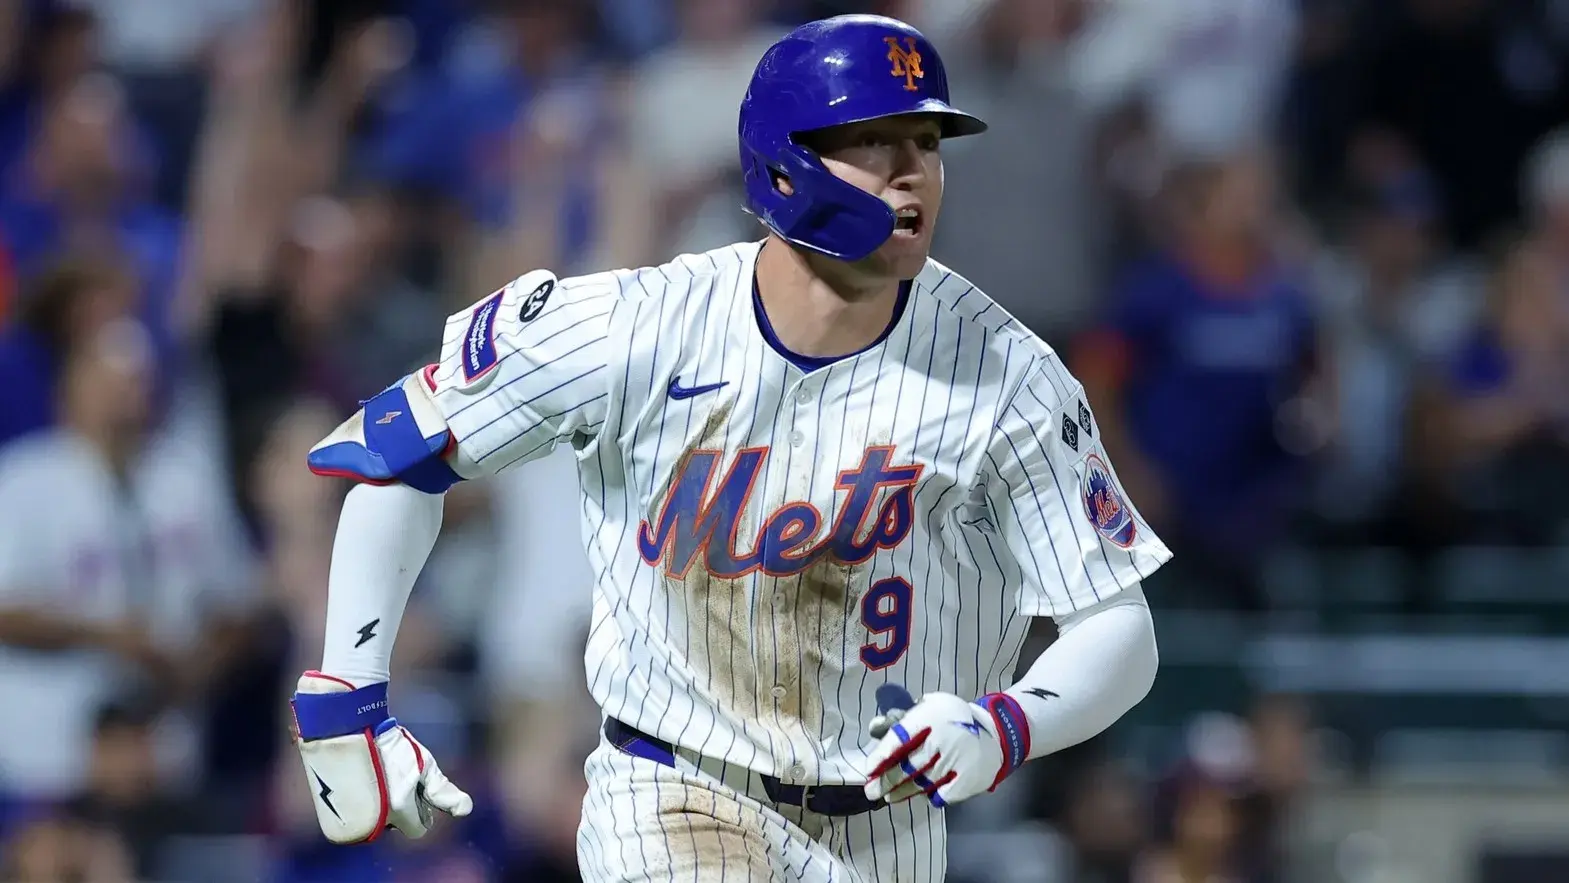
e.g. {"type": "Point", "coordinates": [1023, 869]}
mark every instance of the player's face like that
{"type": "Point", "coordinates": [898, 160]}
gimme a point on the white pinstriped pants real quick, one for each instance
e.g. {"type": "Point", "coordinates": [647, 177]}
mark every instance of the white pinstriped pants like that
{"type": "Point", "coordinates": [645, 822]}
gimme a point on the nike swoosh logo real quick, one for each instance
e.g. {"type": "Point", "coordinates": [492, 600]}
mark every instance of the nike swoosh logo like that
{"type": "Point", "coordinates": [678, 392]}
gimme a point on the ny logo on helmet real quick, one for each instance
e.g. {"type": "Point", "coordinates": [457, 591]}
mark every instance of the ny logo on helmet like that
{"type": "Point", "coordinates": [906, 61]}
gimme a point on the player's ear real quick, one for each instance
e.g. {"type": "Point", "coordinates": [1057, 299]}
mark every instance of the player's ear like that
{"type": "Point", "coordinates": [783, 185]}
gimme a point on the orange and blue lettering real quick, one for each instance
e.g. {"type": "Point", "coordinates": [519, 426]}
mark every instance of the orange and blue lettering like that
{"type": "Point", "coordinates": [699, 519]}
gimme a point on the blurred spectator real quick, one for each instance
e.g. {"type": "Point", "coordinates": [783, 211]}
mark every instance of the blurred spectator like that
{"type": "Point", "coordinates": [1394, 303]}
{"type": "Point", "coordinates": [1463, 87]}
{"type": "Point", "coordinates": [1211, 74]}
{"type": "Point", "coordinates": [151, 35]}
{"type": "Point", "coordinates": [1317, 120]}
{"type": "Point", "coordinates": [294, 509]}
{"type": "Point", "coordinates": [634, 28]}
{"type": "Point", "coordinates": [121, 562]}
{"type": "Point", "coordinates": [1282, 766]}
{"type": "Point", "coordinates": [45, 48]}
{"type": "Point", "coordinates": [65, 306]}
{"type": "Point", "coordinates": [687, 160]}
{"type": "Point", "coordinates": [1105, 821]}
{"type": "Point", "coordinates": [122, 796]}
{"type": "Point", "coordinates": [1498, 440]}
{"type": "Point", "coordinates": [52, 849]}
{"type": "Point", "coordinates": [330, 322]}
{"type": "Point", "coordinates": [1198, 820]}
{"type": "Point", "coordinates": [456, 138]}
{"type": "Point", "coordinates": [1545, 192]}
{"type": "Point", "coordinates": [1201, 834]}
{"type": "Point", "coordinates": [83, 187]}
{"type": "Point", "coordinates": [7, 288]}
{"type": "Point", "coordinates": [1020, 208]}
{"type": "Point", "coordinates": [1205, 376]}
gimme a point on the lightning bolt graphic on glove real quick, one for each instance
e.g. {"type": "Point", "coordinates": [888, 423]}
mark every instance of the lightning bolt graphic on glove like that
{"type": "Point", "coordinates": [325, 793]}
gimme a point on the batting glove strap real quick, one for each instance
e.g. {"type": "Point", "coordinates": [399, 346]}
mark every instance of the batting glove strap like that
{"type": "Point", "coordinates": [1013, 731]}
{"type": "Point", "coordinates": [327, 715]}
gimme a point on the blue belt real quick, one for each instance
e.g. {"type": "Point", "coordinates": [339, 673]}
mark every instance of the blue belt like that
{"type": "Point", "coordinates": [827, 800]}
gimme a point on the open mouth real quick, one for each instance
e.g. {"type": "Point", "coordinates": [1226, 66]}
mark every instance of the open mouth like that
{"type": "Point", "coordinates": [908, 222]}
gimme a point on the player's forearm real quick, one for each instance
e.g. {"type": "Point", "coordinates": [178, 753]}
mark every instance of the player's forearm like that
{"type": "Point", "coordinates": [384, 536]}
{"type": "Point", "coordinates": [1101, 665]}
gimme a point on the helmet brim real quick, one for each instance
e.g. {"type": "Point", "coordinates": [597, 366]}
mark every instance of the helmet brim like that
{"type": "Point", "coordinates": [955, 123]}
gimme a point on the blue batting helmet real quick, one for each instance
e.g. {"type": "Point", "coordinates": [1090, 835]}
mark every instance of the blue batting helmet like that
{"type": "Point", "coordinates": [846, 69]}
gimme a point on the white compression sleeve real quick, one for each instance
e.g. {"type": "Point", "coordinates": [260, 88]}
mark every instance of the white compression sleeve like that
{"type": "Point", "coordinates": [1101, 665]}
{"type": "Point", "coordinates": [385, 533]}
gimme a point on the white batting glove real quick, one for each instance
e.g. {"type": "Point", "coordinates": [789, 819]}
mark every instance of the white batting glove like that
{"type": "Point", "coordinates": [365, 771]}
{"type": "Point", "coordinates": [946, 748]}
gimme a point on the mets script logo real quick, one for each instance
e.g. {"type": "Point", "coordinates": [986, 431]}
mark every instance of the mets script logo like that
{"type": "Point", "coordinates": [699, 518]}
{"type": "Point", "coordinates": [906, 61]}
{"type": "Point", "coordinates": [1104, 504]}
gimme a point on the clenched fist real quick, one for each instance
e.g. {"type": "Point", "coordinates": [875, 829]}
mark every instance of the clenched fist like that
{"type": "Point", "coordinates": [947, 748]}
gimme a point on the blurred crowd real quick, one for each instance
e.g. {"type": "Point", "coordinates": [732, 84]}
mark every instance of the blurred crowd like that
{"type": "Point", "coordinates": [1309, 258]}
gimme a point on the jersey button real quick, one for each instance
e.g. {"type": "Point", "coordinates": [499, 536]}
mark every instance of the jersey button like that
{"type": "Point", "coordinates": [803, 396]}
{"type": "Point", "coordinates": [796, 438]}
{"type": "Point", "coordinates": [797, 772]}
{"type": "Point", "coordinates": [778, 691]}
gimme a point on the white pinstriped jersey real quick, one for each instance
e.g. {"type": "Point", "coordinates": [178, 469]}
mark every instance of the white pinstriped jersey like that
{"type": "Point", "coordinates": [770, 544]}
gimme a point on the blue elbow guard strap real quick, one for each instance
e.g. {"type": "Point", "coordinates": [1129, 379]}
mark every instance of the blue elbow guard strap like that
{"type": "Point", "coordinates": [396, 436]}
{"type": "Point", "coordinates": [327, 715]}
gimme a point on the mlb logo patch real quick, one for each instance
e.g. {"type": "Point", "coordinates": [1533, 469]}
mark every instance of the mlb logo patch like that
{"type": "Point", "coordinates": [1104, 504]}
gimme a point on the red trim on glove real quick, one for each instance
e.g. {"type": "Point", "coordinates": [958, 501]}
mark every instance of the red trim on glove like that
{"type": "Point", "coordinates": [381, 786]}
{"type": "Point", "coordinates": [326, 677]}
{"type": "Point", "coordinates": [419, 760]}
{"type": "Point", "coordinates": [917, 739]}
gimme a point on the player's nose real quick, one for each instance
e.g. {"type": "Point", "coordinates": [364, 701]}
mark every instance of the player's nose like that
{"type": "Point", "coordinates": [909, 168]}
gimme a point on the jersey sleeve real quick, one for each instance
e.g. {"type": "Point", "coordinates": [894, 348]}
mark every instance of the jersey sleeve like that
{"type": "Point", "coordinates": [522, 370]}
{"type": "Point", "coordinates": [1063, 515]}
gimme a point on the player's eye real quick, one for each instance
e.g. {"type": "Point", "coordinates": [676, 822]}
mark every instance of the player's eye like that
{"type": "Point", "coordinates": [928, 142]}
{"type": "Point", "coordinates": [871, 139]}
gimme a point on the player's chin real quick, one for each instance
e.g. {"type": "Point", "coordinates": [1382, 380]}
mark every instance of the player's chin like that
{"type": "Point", "coordinates": [903, 256]}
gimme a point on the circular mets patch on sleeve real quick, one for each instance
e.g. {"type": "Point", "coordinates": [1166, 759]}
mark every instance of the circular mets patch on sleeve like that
{"type": "Point", "coordinates": [1104, 504]}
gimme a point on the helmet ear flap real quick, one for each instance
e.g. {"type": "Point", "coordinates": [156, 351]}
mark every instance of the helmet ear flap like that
{"type": "Point", "coordinates": [821, 212]}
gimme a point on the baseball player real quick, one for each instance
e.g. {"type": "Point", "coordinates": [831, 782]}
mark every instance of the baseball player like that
{"type": "Point", "coordinates": [816, 471]}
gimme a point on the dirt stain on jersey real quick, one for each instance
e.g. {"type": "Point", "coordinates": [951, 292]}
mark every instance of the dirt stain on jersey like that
{"type": "Point", "coordinates": [822, 613]}
{"type": "Point", "coordinates": [709, 836]}
{"type": "Point", "coordinates": [717, 610]}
